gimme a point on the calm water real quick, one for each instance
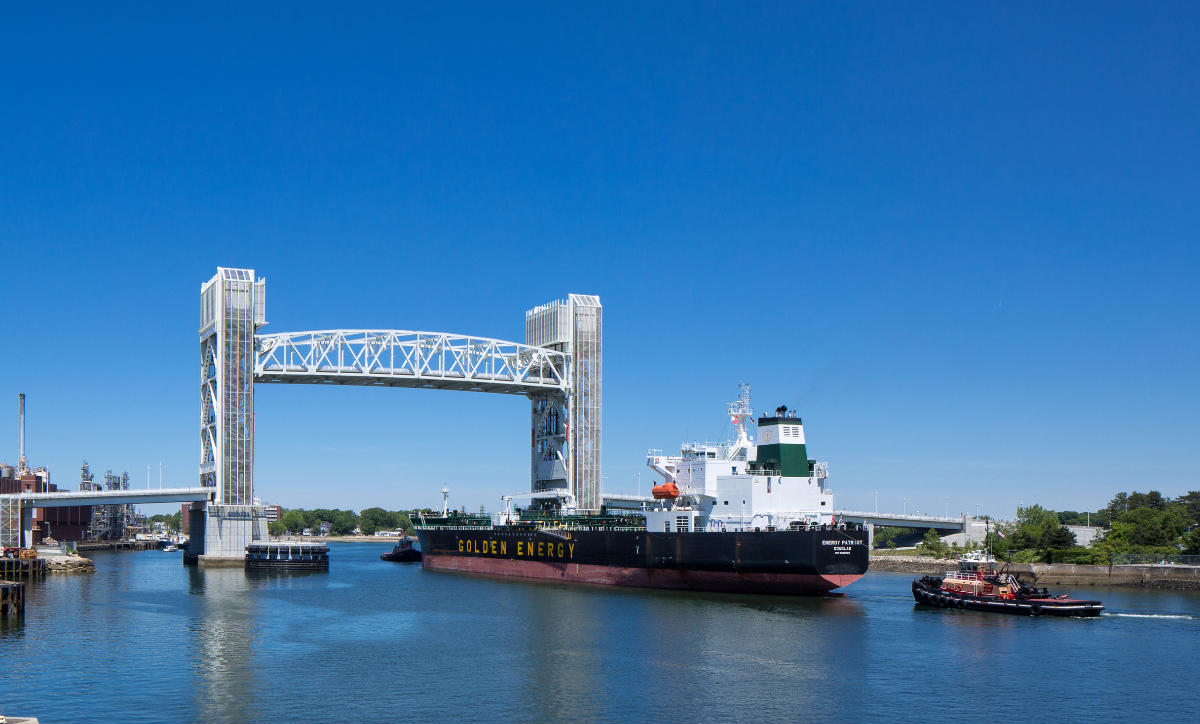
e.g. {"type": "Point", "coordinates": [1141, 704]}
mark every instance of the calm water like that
{"type": "Point", "coordinates": [145, 639]}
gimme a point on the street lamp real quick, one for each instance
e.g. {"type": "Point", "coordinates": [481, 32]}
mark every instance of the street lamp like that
{"type": "Point", "coordinates": [906, 505]}
{"type": "Point", "coordinates": [876, 502]}
{"type": "Point", "coordinates": [947, 506]}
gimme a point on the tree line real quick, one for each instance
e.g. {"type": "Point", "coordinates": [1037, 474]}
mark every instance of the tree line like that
{"type": "Point", "coordinates": [1148, 523]}
{"type": "Point", "coordinates": [341, 522]}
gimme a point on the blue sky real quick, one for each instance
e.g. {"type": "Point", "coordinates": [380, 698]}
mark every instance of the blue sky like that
{"type": "Point", "coordinates": [961, 240]}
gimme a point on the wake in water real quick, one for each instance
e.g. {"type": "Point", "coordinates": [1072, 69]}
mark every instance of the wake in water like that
{"type": "Point", "coordinates": [1150, 615]}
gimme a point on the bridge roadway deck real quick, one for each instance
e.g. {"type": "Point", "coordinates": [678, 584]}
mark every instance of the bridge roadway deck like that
{"type": "Point", "coordinates": [901, 520]}
{"type": "Point", "coordinates": [67, 498]}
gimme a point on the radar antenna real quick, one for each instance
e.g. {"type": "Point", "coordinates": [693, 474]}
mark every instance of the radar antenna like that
{"type": "Point", "coordinates": [739, 413]}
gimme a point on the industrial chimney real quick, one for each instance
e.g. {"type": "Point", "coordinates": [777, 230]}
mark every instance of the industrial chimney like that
{"type": "Point", "coordinates": [22, 463]}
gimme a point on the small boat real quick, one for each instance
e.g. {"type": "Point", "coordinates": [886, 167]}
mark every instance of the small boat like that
{"type": "Point", "coordinates": [402, 553]}
{"type": "Point", "coordinates": [170, 548]}
{"type": "Point", "coordinates": [978, 585]}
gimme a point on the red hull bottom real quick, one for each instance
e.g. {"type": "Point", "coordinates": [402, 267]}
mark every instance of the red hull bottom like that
{"type": "Point", "coordinates": [725, 581]}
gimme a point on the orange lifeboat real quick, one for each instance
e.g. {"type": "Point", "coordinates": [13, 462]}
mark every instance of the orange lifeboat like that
{"type": "Point", "coordinates": [666, 490]}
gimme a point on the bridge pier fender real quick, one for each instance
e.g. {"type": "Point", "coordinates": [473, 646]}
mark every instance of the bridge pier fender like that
{"type": "Point", "coordinates": [870, 536]}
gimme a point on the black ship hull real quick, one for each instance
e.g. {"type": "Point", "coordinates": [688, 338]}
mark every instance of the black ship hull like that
{"type": "Point", "coordinates": [927, 590]}
{"type": "Point", "coordinates": [793, 562]}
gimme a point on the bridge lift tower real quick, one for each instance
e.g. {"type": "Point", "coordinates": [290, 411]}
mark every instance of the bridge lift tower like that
{"type": "Point", "coordinates": [232, 308]}
{"type": "Point", "coordinates": [558, 368]}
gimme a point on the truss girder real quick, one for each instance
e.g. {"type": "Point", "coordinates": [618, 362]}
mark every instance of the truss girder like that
{"type": "Point", "coordinates": [399, 358]}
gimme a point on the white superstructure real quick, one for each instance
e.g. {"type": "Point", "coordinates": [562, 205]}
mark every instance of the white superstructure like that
{"type": "Point", "coordinates": [742, 485]}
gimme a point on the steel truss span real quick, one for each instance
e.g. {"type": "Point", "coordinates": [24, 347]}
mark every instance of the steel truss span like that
{"type": "Point", "coordinates": [399, 358]}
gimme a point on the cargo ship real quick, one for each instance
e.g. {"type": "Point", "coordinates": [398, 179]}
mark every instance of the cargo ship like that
{"type": "Point", "coordinates": [739, 516]}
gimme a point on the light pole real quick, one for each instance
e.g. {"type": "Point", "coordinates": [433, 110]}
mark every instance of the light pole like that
{"type": "Point", "coordinates": [876, 502]}
{"type": "Point", "coordinates": [947, 506]}
{"type": "Point", "coordinates": [977, 506]}
{"type": "Point", "coordinates": [906, 505]}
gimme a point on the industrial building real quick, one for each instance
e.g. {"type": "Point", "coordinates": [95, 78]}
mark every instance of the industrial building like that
{"type": "Point", "coordinates": [57, 523]}
{"type": "Point", "coordinates": [70, 523]}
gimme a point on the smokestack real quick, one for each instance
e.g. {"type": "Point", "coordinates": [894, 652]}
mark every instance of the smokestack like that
{"type": "Point", "coordinates": [22, 464]}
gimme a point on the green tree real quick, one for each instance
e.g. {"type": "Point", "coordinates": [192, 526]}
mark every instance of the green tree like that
{"type": "Point", "coordinates": [886, 534]}
{"type": "Point", "coordinates": [375, 519]}
{"type": "Point", "coordinates": [933, 545]}
{"type": "Point", "coordinates": [404, 522]}
{"type": "Point", "coordinates": [1191, 504]}
{"type": "Point", "coordinates": [1191, 542]}
{"type": "Point", "coordinates": [1154, 526]}
{"type": "Point", "coordinates": [344, 522]}
{"type": "Point", "coordinates": [1057, 536]}
{"type": "Point", "coordinates": [276, 528]}
{"type": "Point", "coordinates": [294, 521]}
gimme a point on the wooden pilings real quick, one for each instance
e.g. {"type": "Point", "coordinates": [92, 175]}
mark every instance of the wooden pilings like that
{"type": "Point", "coordinates": [22, 567]}
{"type": "Point", "coordinates": [12, 598]}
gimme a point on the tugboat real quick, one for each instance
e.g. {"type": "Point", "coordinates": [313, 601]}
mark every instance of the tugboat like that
{"type": "Point", "coordinates": [978, 585]}
{"type": "Point", "coordinates": [402, 553]}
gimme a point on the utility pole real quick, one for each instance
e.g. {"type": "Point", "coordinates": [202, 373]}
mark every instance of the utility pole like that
{"type": "Point", "coordinates": [947, 506]}
{"type": "Point", "coordinates": [160, 474]}
{"type": "Point", "coordinates": [906, 505]}
{"type": "Point", "coordinates": [876, 502]}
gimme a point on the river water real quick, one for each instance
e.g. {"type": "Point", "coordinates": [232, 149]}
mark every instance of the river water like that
{"type": "Point", "coordinates": [145, 639]}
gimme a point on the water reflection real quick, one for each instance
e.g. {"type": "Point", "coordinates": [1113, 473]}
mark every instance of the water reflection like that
{"type": "Point", "coordinates": [563, 681]}
{"type": "Point", "coordinates": [225, 632]}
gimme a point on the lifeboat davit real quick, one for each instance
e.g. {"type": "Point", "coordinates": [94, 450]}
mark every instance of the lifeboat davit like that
{"type": "Point", "coordinates": [665, 491]}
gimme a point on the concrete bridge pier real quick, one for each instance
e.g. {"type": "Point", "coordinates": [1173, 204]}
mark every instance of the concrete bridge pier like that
{"type": "Point", "coordinates": [26, 526]}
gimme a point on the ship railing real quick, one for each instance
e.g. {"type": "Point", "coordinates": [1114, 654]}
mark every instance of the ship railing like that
{"type": "Point", "coordinates": [540, 530]}
{"type": "Point", "coordinates": [965, 575]}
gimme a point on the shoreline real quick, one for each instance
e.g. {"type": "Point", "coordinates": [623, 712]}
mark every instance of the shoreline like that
{"type": "Point", "coordinates": [1163, 577]}
{"type": "Point", "coordinates": [335, 539]}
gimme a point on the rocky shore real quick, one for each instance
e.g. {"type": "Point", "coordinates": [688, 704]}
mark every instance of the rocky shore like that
{"type": "Point", "coordinates": [911, 564]}
{"type": "Point", "coordinates": [69, 564]}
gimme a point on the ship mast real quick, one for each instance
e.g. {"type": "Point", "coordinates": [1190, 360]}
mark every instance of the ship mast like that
{"type": "Point", "coordinates": [739, 413]}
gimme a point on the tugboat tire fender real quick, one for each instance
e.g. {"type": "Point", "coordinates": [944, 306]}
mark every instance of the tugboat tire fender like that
{"type": "Point", "coordinates": [962, 603]}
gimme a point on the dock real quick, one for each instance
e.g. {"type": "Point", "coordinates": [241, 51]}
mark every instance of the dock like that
{"type": "Point", "coordinates": [117, 545]}
{"type": "Point", "coordinates": [22, 568]}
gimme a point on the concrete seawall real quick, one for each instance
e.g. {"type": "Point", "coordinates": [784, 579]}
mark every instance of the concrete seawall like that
{"type": "Point", "coordinates": [1066, 574]}
{"type": "Point", "coordinates": [1061, 574]}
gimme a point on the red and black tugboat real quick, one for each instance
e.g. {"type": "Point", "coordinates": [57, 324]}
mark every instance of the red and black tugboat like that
{"type": "Point", "coordinates": [403, 552]}
{"type": "Point", "coordinates": [980, 586]}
